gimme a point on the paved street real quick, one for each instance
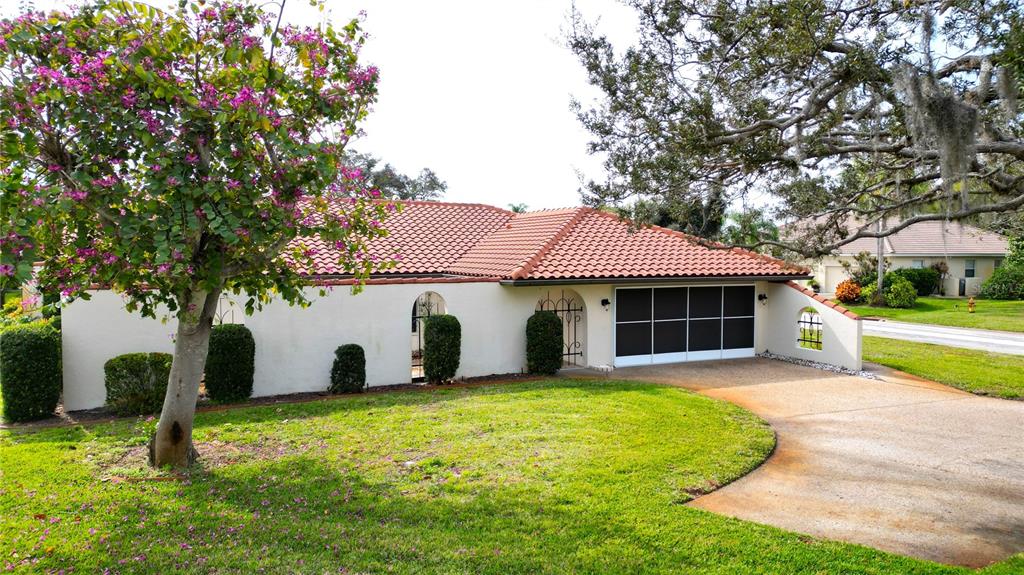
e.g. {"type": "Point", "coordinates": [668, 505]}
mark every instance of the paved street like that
{"type": "Point", "coordinates": [995, 341]}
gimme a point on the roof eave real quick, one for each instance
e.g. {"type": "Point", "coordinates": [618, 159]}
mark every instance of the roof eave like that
{"type": "Point", "coordinates": [653, 279]}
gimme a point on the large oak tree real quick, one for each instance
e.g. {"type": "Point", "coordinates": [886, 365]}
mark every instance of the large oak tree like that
{"type": "Point", "coordinates": [882, 113]}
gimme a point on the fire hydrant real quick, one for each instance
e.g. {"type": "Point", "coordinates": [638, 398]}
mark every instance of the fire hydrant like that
{"type": "Point", "coordinates": [970, 304]}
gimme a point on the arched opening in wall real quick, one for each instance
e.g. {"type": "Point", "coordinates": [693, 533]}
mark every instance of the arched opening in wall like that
{"type": "Point", "coordinates": [809, 328]}
{"type": "Point", "coordinates": [427, 304]}
{"type": "Point", "coordinates": [569, 307]}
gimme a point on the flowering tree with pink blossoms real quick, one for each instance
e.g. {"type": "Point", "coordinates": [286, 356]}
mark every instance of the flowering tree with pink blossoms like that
{"type": "Point", "coordinates": [173, 156]}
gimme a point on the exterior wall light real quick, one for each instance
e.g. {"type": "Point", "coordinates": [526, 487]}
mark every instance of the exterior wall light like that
{"type": "Point", "coordinates": [763, 298]}
{"type": "Point", "coordinates": [605, 303]}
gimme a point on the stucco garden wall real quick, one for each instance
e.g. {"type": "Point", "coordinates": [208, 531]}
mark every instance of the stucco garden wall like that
{"type": "Point", "coordinates": [295, 346]}
{"type": "Point", "coordinates": [777, 329]}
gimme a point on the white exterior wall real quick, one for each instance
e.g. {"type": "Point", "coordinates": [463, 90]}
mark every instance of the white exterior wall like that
{"type": "Point", "coordinates": [777, 330]}
{"type": "Point", "coordinates": [96, 330]}
{"type": "Point", "coordinates": [295, 346]}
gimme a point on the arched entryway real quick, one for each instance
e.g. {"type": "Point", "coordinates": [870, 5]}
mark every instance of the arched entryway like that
{"type": "Point", "coordinates": [571, 309]}
{"type": "Point", "coordinates": [427, 304]}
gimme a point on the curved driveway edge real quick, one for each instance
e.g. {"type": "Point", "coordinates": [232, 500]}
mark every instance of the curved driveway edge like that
{"type": "Point", "coordinates": [900, 464]}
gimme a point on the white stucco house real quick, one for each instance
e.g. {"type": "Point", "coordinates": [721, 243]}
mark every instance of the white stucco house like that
{"type": "Point", "coordinates": [970, 253]}
{"type": "Point", "coordinates": [627, 296]}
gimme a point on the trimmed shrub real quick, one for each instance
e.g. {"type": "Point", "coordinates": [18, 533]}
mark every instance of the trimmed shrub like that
{"type": "Point", "coordinates": [901, 293]}
{"type": "Point", "coordinates": [925, 280]}
{"type": "Point", "coordinates": [848, 291]}
{"type": "Point", "coordinates": [231, 363]}
{"type": "Point", "coordinates": [137, 382]}
{"type": "Point", "coordinates": [442, 347]}
{"type": "Point", "coordinates": [30, 371]}
{"type": "Point", "coordinates": [348, 374]}
{"type": "Point", "coordinates": [867, 293]}
{"type": "Point", "coordinates": [544, 343]}
{"type": "Point", "coordinates": [1006, 282]}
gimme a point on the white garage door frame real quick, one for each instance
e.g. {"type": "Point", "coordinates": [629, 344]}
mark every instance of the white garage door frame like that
{"type": "Point", "coordinates": [685, 356]}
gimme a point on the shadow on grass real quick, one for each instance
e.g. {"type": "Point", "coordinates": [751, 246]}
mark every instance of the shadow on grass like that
{"type": "Point", "coordinates": [341, 404]}
{"type": "Point", "coordinates": [303, 515]}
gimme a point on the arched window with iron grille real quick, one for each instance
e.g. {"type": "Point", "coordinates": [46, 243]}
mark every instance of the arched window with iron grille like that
{"type": "Point", "coordinates": [809, 329]}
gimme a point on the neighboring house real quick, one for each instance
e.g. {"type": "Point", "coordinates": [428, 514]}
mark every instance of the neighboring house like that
{"type": "Point", "coordinates": [626, 296]}
{"type": "Point", "coordinates": [971, 254]}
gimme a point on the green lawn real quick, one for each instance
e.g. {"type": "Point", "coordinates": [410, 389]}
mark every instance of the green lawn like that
{"type": "Point", "coordinates": [557, 476]}
{"type": "Point", "coordinates": [997, 374]}
{"type": "Point", "coordinates": [990, 314]}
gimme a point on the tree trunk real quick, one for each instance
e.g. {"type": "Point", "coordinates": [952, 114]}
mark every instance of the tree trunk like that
{"type": "Point", "coordinates": [880, 281]}
{"type": "Point", "coordinates": [172, 443]}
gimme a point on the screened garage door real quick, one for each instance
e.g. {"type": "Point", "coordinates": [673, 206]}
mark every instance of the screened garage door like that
{"type": "Point", "coordinates": [671, 324]}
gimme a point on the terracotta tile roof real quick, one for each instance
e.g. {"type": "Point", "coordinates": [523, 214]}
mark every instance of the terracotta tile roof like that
{"type": "Point", "coordinates": [428, 237]}
{"type": "Point", "coordinates": [601, 245]}
{"type": "Point", "coordinates": [575, 243]}
{"type": "Point", "coordinates": [510, 249]}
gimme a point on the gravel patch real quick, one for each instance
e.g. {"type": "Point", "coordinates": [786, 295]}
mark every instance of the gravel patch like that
{"type": "Point", "coordinates": [819, 365]}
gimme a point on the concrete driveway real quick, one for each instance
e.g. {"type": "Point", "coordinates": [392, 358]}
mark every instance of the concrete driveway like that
{"type": "Point", "coordinates": [904, 465]}
{"type": "Point", "coordinates": [984, 339]}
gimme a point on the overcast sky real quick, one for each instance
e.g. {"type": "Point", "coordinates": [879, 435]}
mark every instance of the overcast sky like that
{"type": "Point", "coordinates": [477, 91]}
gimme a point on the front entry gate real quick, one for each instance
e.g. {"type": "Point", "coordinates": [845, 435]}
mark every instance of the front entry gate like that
{"type": "Point", "coordinates": [426, 305]}
{"type": "Point", "coordinates": [570, 310]}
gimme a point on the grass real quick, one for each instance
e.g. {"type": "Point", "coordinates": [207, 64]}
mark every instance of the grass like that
{"type": "Point", "coordinates": [981, 372]}
{"type": "Point", "coordinates": [557, 476]}
{"type": "Point", "coordinates": [989, 314]}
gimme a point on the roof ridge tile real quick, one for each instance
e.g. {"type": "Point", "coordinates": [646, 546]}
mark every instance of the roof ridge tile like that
{"type": "Point", "coordinates": [528, 266]}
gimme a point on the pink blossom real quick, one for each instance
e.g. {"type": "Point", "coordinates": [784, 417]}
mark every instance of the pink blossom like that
{"type": "Point", "coordinates": [129, 99]}
{"type": "Point", "coordinates": [6, 270]}
{"type": "Point", "coordinates": [192, 159]}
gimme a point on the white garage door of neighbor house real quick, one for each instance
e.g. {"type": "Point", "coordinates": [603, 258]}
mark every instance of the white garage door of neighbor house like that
{"type": "Point", "coordinates": [673, 324]}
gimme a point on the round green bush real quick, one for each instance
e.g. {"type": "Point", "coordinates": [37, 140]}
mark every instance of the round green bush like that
{"type": "Point", "coordinates": [348, 374]}
{"type": "Point", "coordinates": [925, 280]}
{"type": "Point", "coordinates": [30, 371]}
{"type": "Point", "coordinates": [867, 293]}
{"type": "Point", "coordinates": [442, 343]}
{"type": "Point", "coordinates": [901, 293]}
{"type": "Point", "coordinates": [231, 363]}
{"type": "Point", "coordinates": [1006, 282]}
{"type": "Point", "coordinates": [137, 382]}
{"type": "Point", "coordinates": [544, 343]}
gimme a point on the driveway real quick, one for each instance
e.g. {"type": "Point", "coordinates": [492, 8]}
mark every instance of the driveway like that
{"type": "Point", "coordinates": [988, 340]}
{"type": "Point", "coordinates": [904, 465]}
